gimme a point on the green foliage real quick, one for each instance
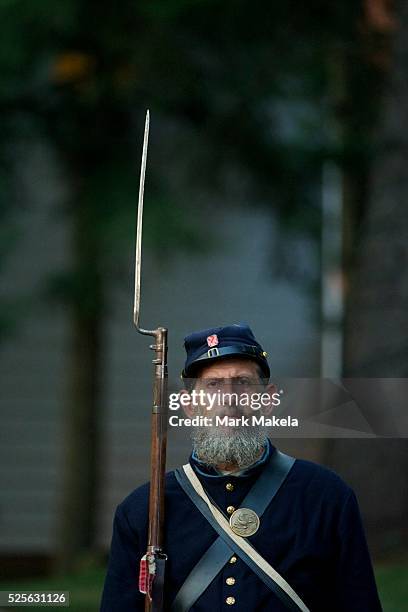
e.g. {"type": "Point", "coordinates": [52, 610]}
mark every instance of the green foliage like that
{"type": "Point", "coordinates": [393, 587]}
{"type": "Point", "coordinates": [255, 86]}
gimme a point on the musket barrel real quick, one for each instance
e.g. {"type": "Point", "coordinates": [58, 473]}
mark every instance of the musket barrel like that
{"type": "Point", "coordinates": [159, 442]}
{"type": "Point", "coordinates": [153, 563]}
{"type": "Point", "coordinates": [157, 469]}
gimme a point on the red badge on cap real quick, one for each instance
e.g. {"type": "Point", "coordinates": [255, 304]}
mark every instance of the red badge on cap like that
{"type": "Point", "coordinates": [212, 340]}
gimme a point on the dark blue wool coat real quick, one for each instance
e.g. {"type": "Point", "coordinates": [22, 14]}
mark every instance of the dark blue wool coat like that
{"type": "Point", "coordinates": [311, 533]}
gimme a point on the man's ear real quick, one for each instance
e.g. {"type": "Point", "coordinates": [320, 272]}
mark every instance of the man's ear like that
{"type": "Point", "coordinates": [270, 389]}
{"type": "Point", "coordinates": [186, 403]}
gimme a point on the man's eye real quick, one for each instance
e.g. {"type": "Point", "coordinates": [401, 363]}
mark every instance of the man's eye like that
{"type": "Point", "coordinates": [243, 381]}
{"type": "Point", "coordinates": [212, 384]}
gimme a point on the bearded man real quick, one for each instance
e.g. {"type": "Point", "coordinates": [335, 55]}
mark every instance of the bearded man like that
{"type": "Point", "coordinates": [246, 527]}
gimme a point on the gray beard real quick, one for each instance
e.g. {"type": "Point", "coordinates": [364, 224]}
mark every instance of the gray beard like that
{"type": "Point", "coordinates": [241, 447]}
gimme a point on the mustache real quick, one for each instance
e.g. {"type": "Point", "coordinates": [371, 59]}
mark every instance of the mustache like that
{"type": "Point", "coordinates": [224, 410]}
{"type": "Point", "coordinates": [214, 448]}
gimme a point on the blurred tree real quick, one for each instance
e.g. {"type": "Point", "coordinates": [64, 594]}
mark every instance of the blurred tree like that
{"type": "Point", "coordinates": [378, 309]}
{"type": "Point", "coordinates": [377, 293]}
{"type": "Point", "coordinates": [11, 307]}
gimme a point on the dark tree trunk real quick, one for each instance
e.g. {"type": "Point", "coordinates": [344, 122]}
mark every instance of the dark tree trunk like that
{"type": "Point", "coordinates": [77, 529]}
{"type": "Point", "coordinates": [377, 311]}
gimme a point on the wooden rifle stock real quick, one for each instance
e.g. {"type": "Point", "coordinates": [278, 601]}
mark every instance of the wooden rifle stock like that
{"type": "Point", "coordinates": [155, 553]}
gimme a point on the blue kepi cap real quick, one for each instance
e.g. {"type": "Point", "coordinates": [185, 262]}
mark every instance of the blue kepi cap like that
{"type": "Point", "coordinates": [216, 343]}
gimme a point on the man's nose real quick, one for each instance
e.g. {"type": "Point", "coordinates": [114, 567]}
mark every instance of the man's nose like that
{"type": "Point", "coordinates": [230, 388]}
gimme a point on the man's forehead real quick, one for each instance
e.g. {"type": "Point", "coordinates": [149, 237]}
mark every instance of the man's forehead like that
{"type": "Point", "coordinates": [229, 368]}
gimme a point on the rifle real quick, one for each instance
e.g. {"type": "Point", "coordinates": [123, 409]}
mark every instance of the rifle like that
{"type": "Point", "coordinates": [152, 565]}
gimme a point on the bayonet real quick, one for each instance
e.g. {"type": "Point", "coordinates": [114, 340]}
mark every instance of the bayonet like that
{"type": "Point", "coordinates": [139, 230]}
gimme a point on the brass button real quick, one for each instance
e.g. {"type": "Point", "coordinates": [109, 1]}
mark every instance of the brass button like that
{"type": "Point", "coordinates": [233, 559]}
{"type": "Point", "coordinates": [230, 509]}
{"type": "Point", "coordinates": [229, 486]}
{"type": "Point", "coordinates": [230, 581]}
{"type": "Point", "coordinates": [230, 601]}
